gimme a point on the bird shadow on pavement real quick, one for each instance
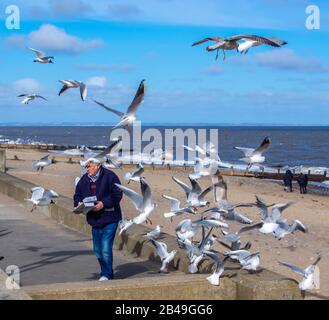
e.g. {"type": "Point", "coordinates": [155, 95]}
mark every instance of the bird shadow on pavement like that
{"type": "Point", "coordinates": [53, 258]}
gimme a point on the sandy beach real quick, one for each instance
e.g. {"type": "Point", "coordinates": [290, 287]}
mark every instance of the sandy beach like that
{"type": "Point", "coordinates": [300, 249]}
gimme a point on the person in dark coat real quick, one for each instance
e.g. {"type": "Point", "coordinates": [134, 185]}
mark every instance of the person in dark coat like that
{"type": "Point", "coordinates": [105, 216]}
{"type": "Point", "coordinates": [303, 182]}
{"type": "Point", "coordinates": [287, 179]}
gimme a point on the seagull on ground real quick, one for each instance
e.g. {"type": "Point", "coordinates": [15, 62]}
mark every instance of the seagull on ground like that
{"type": "Point", "coordinates": [310, 276]}
{"type": "Point", "coordinates": [128, 118]}
{"type": "Point", "coordinates": [69, 84]}
{"type": "Point", "coordinates": [41, 57]}
{"type": "Point", "coordinates": [232, 43]}
{"type": "Point", "coordinates": [30, 97]}
{"type": "Point", "coordinates": [142, 202]}
{"type": "Point", "coordinates": [42, 163]}
{"type": "Point", "coordinates": [254, 156]}
{"type": "Point", "coordinates": [41, 197]}
{"type": "Point", "coordinates": [165, 257]}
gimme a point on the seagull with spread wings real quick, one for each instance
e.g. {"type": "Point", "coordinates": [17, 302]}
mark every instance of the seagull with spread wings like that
{"type": "Point", "coordinates": [41, 197]}
{"type": "Point", "coordinates": [69, 84]}
{"type": "Point", "coordinates": [252, 156]}
{"type": "Point", "coordinates": [232, 43]}
{"type": "Point", "coordinates": [30, 97]}
{"type": "Point", "coordinates": [128, 118]}
{"type": "Point", "coordinates": [41, 57]}
{"type": "Point", "coordinates": [310, 278]}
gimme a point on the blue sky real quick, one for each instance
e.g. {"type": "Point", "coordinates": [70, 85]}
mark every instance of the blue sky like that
{"type": "Point", "coordinates": [113, 45]}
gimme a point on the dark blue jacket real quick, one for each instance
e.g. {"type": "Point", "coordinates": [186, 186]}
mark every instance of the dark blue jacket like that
{"type": "Point", "coordinates": [106, 192]}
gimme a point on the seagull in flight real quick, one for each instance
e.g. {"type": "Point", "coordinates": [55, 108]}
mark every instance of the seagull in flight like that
{"type": "Point", "coordinates": [30, 97]}
{"type": "Point", "coordinates": [232, 43]}
{"type": "Point", "coordinates": [163, 253]}
{"type": "Point", "coordinates": [142, 202]}
{"type": "Point", "coordinates": [195, 195]}
{"type": "Point", "coordinates": [69, 84]}
{"type": "Point", "coordinates": [253, 156]}
{"type": "Point", "coordinates": [41, 197]}
{"type": "Point", "coordinates": [175, 208]}
{"type": "Point", "coordinates": [135, 175]}
{"type": "Point", "coordinates": [309, 274]}
{"type": "Point", "coordinates": [41, 57]}
{"type": "Point", "coordinates": [128, 118]}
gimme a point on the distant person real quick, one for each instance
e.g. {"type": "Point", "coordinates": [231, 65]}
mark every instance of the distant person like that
{"type": "Point", "coordinates": [104, 218]}
{"type": "Point", "coordinates": [303, 182]}
{"type": "Point", "coordinates": [287, 179]}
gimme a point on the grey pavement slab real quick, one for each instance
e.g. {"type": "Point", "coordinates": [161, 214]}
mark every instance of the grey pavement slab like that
{"type": "Point", "coordinates": [47, 252]}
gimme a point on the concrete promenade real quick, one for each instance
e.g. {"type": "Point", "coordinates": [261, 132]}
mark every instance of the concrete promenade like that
{"type": "Point", "coordinates": [47, 252]}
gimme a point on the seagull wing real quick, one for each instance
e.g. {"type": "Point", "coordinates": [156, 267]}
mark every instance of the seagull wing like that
{"type": "Point", "coordinates": [161, 248]}
{"type": "Point", "coordinates": [134, 197]}
{"type": "Point", "coordinates": [22, 95]}
{"type": "Point", "coordinates": [138, 171]}
{"type": "Point", "coordinates": [45, 158]}
{"type": "Point", "coordinates": [259, 39]}
{"type": "Point", "coordinates": [138, 99]}
{"type": "Point", "coordinates": [64, 88]}
{"type": "Point", "coordinates": [37, 193]}
{"type": "Point", "coordinates": [263, 146]}
{"type": "Point", "coordinates": [261, 204]}
{"type": "Point", "coordinates": [216, 39]}
{"type": "Point", "coordinates": [205, 192]}
{"type": "Point", "coordinates": [247, 151]}
{"type": "Point", "coordinates": [83, 91]}
{"type": "Point", "coordinates": [195, 186]}
{"type": "Point", "coordinates": [146, 193]}
{"type": "Point", "coordinates": [109, 149]}
{"type": "Point", "coordinates": [174, 203]}
{"type": "Point", "coordinates": [277, 210]}
{"type": "Point", "coordinates": [248, 228]}
{"type": "Point", "coordinates": [41, 97]}
{"type": "Point", "coordinates": [293, 268]}
{"type": "Point", "coordinates": [118, 113]}
{"type": "Point", "coordinates": [186, 188]}
{"type": "Point", "coordinates": [39, 53]}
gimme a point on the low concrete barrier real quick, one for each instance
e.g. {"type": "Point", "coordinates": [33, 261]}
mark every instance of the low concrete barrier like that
{"type": "Point", "coordinates": [2, 160]}
{"type": "Point", "coordinates": [263, 285]}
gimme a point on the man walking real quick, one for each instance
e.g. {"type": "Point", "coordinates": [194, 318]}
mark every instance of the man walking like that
{"type": "Point", "coordinates": [105, 216]}
{"type": "Point", "coordinates": [287, 179]}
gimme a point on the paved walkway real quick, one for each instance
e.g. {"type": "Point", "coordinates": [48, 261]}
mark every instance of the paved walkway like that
{"type": "Point", "coordinates": [46, 252]}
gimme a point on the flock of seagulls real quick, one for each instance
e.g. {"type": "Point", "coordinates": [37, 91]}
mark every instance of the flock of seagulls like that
{"type": "Point", "coordinates": [205, 226]}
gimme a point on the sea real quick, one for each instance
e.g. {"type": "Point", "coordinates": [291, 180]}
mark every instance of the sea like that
{"type": "Point", "coordinates": [290, 146]}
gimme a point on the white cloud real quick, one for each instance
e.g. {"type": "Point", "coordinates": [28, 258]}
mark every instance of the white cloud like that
{"type": "Point", "coordinates": [96, 82]}
{"type": "Point", "coordinates": [27, 85]}
{"type": "Point", "coordinates": [51, 38]}
{"type": "Point", "coordinates": [286, 59]}
{"type": "Point", "coordinates": [213, 70]}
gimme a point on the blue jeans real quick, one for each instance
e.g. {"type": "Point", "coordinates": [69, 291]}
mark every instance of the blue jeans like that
{"type": "Point", "coordinates": [103, 243]}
